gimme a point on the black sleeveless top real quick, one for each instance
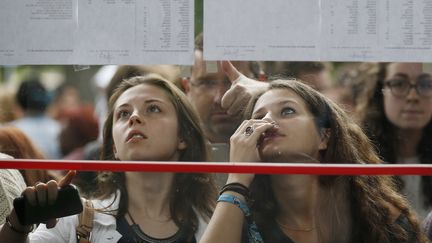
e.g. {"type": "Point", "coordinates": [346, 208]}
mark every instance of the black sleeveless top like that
{"type": "Point", "coordinates": [133, 234]}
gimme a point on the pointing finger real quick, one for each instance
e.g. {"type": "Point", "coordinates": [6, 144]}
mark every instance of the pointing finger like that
{"type": "Point", "coordinates": [67, 179]}
{"type": "Point", "coordinates": [230, 71]}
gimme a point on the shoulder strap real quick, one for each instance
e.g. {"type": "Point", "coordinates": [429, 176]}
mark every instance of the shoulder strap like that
{"type": "Point", "coordinates": [85, 225]}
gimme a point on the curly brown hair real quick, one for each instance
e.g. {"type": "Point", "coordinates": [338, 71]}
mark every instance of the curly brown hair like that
{"type": "Point", "coordinates": [352, 208]}
{"type": "Point", "coordinates": [14, 142]}
{"type": "Point", "coordinates": [190, 191]}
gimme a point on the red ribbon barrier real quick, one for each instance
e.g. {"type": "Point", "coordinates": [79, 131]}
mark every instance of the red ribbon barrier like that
{"type": "Point", "coordinates": [221, 167]}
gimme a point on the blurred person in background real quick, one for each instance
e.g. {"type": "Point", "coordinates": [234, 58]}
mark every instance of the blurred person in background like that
{"type": "Point", "coordinates": [205, 89]}
{"type": "Point", "coordinates": [352, 80]}
{"type": "Point", "coordinates": [42, 130]}
{"type": "Point", "coordinates": [79, 128]}
{"type": "Point", "coordinates": [396, 113]}
{"type": "Point", "coordinates": [315, 74]}
{"type": "Point", "coordinates": [8, 107]}
{"type": "Point", "coordinates": [16, 144]}
{"type": "Point", "coordinates": [66, 100]}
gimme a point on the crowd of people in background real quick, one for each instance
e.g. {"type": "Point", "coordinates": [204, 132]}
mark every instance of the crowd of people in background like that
{"type": "Point", "coordinates": [283, 112]}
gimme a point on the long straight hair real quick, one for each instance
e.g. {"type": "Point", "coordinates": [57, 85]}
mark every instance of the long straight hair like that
{"type": "Point", "coordinates": [189, 191]}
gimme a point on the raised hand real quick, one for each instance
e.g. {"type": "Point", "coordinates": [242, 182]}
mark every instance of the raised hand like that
{"type": "Point", "coordinates": [46, 194]}
{"type": "Point", "coordinates": [244, 146]}
{"type": "Point", "coordinates": [242, 89]}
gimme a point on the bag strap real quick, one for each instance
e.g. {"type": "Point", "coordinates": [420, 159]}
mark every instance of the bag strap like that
{"type": "Point", "coordinates": [85, 226]}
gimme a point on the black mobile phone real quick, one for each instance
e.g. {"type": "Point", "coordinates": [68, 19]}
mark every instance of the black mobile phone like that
{"type": "Point", "coordinates": [68, 203]}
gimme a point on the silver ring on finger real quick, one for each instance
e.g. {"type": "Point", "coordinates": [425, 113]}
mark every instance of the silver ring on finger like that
{"type": "Point", "coordinates": [249, 130]}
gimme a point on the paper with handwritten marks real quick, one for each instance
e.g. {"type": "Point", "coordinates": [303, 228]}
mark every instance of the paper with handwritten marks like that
{"type": "Point", "coordinates": [310, 30]}
{"type": "Point", "coordinates": [261, 30]}
{"type": "Point", "coordinates": [34, 31]}
{"type": "Point", "coordinates": [96, 32]}
{"type": "Point", "coordinates": [377, 30]}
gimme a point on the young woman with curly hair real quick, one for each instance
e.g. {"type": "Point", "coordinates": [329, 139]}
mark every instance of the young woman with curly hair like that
{"type": "Point", "coordinates": [291, 122]}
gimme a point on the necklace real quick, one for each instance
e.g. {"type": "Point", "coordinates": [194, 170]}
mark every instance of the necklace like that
{"type": "Point", "coordinates": [284, 226]}
{"type": "Point", "coordinates": [144, 238]}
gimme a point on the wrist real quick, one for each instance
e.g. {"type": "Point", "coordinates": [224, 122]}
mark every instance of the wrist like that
{"type": "Point", "coordinates": [13, 224]}
{"type": "Point", "coordinates": [253, 232]}
{"type": "Point", "coordinates": [240, 178]}
{"type": "Point", "coordinates": [238, 201]}
{"type": "Point", "coordinates": [235, 194]}
{"type": "Point", "coordinates": [236, 187]}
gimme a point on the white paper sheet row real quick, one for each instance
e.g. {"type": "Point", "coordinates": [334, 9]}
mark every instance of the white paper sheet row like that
{"type": "Point", "coordinates": [161, 31]}
{"type": "Point", "coordinates": [96, 32]}
{"type": "Point", "coordinates": [314, 30]}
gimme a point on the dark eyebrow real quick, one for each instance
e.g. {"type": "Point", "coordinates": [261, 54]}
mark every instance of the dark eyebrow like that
{"type": "Point", "coordinates": [424, 75]}
{"type": "Point", "coordinates": [154, 100]}
{"type": "Point", "coordinates": [403, 75]}
{"type": "Point", "coordinates": [121, 106]}
{"type": "Point", "coordinates": [146, 102]}
{"type": "Point", "coordinates": [280, 103]}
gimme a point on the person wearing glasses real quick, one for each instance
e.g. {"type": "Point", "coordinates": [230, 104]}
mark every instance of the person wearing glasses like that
{"type": "Point", "coordinates": [205, 88]}
{"type": "Point", "coordinates": [396, 114]}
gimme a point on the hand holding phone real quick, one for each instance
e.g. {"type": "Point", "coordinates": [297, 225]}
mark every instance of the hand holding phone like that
{"type": "Point", "coordinates": [68, 202]}
{"type": "Point", "coordinates": [44, 203]}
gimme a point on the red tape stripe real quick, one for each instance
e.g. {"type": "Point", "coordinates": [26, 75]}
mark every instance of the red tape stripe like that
{"type": "Point", "coordinates": [221, 167]}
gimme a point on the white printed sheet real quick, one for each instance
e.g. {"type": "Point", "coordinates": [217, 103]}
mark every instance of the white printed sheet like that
{"type": "Point", "coordinates": [96, 32]}
{"type": "Point", "coordinates": [310, 30]}
{"type": "Point", "coordinates": [261, 30]}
